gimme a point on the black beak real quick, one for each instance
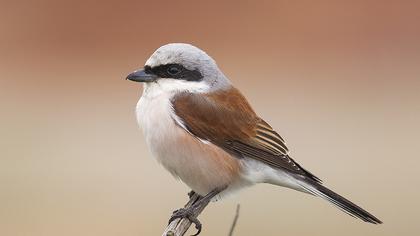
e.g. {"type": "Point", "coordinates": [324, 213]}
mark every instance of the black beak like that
{"type": "Point", "coordinates": [141, 76]}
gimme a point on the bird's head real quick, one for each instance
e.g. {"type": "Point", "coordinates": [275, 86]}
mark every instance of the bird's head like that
{"type": "Point", "coordinates": [180, 66]}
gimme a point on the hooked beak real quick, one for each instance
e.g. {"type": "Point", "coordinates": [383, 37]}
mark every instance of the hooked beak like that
{"type": "Point", "coordinates": [141, 76]}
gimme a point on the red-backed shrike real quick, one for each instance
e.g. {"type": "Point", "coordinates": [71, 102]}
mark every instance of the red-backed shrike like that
{"type": "Point", "coordinates": [203, 131]}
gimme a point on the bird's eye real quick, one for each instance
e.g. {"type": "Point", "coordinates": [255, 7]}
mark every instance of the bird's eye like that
{"type": "Point", "coordinates": [174, 70]}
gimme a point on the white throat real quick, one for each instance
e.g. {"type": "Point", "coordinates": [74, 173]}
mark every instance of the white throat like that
{"type": "Point", "coordinates": [169, 87]}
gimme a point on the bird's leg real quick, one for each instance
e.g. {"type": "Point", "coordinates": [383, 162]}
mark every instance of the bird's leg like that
{"type": "Point", "coordinates": [190, 195]}
{"type": "Point", "coordinates": [191, 212]}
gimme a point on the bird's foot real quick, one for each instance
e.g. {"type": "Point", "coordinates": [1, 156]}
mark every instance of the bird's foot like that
{"type": "Point", "coordinates": [188, 213]}
{"type": "Point", "coordinates": [194, 210]}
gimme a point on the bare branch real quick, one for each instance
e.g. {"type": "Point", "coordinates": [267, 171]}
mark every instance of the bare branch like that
{"type": "Point", "coordinates": [232, 228]}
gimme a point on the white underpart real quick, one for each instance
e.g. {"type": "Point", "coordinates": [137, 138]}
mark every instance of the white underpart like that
{"type": "Point", "coordinates": [257, 172]}
{"type": "Point", "coordinates": [165, 136]}
{"type": "Point", "coordinates": [157, 119]}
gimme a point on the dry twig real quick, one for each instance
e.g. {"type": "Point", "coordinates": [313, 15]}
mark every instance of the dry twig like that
{"type": "Point", "coordinates": [234, 220]}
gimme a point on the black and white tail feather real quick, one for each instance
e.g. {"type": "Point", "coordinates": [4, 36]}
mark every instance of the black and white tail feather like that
{"type": "Point", "coordinates": [317, 189]}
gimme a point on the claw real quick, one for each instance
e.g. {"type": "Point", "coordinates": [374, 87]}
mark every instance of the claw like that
{"type": "Point", "coordinates": [189, 214]}
{"type": "Point", "coordinates": [174, 212]}
{"type": "Point", "coordinates": [197, 226]}
{"type": "Point", "coordinates": [190, 194]}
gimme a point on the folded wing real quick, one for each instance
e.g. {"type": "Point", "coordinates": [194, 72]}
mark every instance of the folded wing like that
{"type": "Point", "coordinates": [226, 119]}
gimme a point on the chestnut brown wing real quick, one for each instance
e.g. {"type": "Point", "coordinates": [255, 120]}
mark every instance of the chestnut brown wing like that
{"type": "Point", "coordinates": [226, 119]}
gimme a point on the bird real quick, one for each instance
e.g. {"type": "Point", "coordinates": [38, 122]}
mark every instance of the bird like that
{"type": "Point", "coordinates": [205, 133]}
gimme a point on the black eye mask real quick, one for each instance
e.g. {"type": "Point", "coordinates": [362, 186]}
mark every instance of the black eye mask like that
{"type": "Point", "coordinates": [174, 71]}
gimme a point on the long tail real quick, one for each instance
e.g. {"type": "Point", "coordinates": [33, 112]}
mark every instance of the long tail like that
{"type": "Point", "coordinates": [342, 203]}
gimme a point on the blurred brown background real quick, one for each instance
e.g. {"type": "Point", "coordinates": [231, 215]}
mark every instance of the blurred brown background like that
{"type": "Point", "coordinates": [338, 79]}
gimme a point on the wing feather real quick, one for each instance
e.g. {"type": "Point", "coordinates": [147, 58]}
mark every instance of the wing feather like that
{"type": "Point", "coordinates": [226, 119]}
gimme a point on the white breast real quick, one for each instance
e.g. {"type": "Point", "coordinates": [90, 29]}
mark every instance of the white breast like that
{"type": "Point", "coordinates": [201, 165]}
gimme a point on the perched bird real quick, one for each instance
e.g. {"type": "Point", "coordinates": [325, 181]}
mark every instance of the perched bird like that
{"type": "Point", "coordinates": [204, 132]}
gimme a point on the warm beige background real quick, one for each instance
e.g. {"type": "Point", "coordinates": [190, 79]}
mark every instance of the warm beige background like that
{"type": "Point", "coordinates": [339, 80]}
